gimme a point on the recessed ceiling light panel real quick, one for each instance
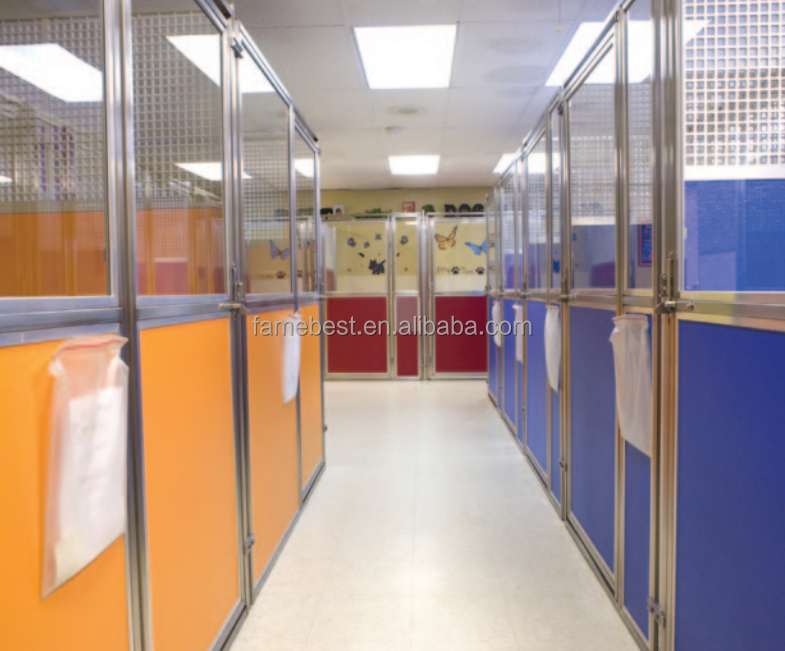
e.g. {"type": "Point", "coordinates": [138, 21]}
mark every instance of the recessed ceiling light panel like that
{"type": "Point", "coordinates": [504, 162]}
{"type": "Point", "coordinates": [304, 166]}
{"type": "Point", "coordinates": [55, 71]}
{"type": "Point", "coordinates": [210, 171]}
{"type": "Point", "coordinates": [204, 51]}
{"type": "Point", "coordinates": [413, 165]}
{"type": "Point", "coordinates": [407, 57]}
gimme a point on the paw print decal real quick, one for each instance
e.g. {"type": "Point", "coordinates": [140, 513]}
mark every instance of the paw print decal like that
{"type": "Point", "coordinates": [455, 271]}
{"type": "Point", "coordinates": [480, 271]}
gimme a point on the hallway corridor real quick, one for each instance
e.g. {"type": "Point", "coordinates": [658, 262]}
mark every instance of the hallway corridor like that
{"type": "Point", "coordinates": [430, 531]}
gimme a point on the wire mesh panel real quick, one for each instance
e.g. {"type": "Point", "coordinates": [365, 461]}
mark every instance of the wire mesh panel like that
{"type": "Point", "coordinates": [536, 163]}
{"type": "Point", "coordinates": [179, 154]}
{"type": "Point", "coordinates": [508, 230]}
{"type": "Point", "coordinates": [265, 187]}
{"type": "Point", "coordinates": [640, 65]}
{"type": "Point", "coordinates": [306, 225]}
{"type": "Point", "coordinates": [52, 154]}
{"type": "Point", "coordinates": [592, 172]}
{"type": "Point", "coordinates": [555, 262]}
{"type": "Point", "coordinates": [734, 166]}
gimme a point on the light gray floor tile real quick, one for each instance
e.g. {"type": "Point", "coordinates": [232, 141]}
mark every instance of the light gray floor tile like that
{"type": "Point", "coordinates": [427, 532]}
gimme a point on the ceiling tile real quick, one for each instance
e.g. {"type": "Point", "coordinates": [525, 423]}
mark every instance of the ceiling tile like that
{"type": "Point", "coordinates": [469, 107]}
{"type": "Point", "coordinates": [521, 10]}
{"type": "Point", "coordinates": [312, 58]}
{"type": "Point", "coordinates": [326, 110]}
{"type": "Point", "coordinates": [474, 142]}
{"type": "Point", "coordinates": [401, 12]}
{"type": "Point", "coordinates": [289, 13]}
{"type": "Point", "coordinates": [506, 54]}
{"type": "Point", "coordinates": [389, 107]}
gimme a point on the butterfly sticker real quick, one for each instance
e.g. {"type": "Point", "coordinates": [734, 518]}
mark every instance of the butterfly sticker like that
{"type": "Point", "coordinates": [377, 268]}
{"type": "Point", "coordinates": [366, 245]}
{"type": "Point", "coordinates": [478, 249]}
{"type": "Point", "coordinates": [377, 236]}
{"type": "Point", "coordinates": [351, 242]}
{"type": "Point", "coordinates": [446, 242]}
{"type": "Point", "coordinates": [275, 252]}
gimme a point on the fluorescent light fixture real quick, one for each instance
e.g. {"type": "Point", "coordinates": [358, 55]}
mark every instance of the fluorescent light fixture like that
{"type": "Point", "coordinates": [504, 162]}
{"type": "Point", "coordinates": [407, 57]}
{"type": "Point", "coordinates": [413, 165]}
{"type": "Point", "coordinates": [304, 166]}
{"type": "Point", "coordinates": [4, 180]}
{"type": "Point", "coordinates": [209, 171]}
{"type": "Point", "coordinates": [54, 70]}
{"type": "Point", "coordinates": [641, 64]}
{"type": "Point", "coordinates": [204, 51]}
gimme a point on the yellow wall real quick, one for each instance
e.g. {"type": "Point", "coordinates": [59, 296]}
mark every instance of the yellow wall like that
{"type": "Point", "coordinates": [358, 201]}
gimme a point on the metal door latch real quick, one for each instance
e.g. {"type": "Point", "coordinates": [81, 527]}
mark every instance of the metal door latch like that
{"type": "Point", "coordinates": [656, 610]}
{"type": "Point", "coordinates": [668, 307]}
{"type": "Point", "coordinates": [249, 543]}
{"type": "Point", "coordinates": [233, 307]}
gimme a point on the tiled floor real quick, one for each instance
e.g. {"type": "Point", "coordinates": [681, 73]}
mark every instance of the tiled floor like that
{"type": "Point", "coordinates": [428, 531]}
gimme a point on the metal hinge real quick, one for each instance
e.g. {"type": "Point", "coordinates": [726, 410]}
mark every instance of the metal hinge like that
{"type": "Point", "coordinates": [249, 543]}
{"type": "Point", "coordinates": [238, 48]}
{"type": "Point", "coordinates": [566, 298]}
{"type": "Point", "coordinates": [563, 464]}
{"type": "Point", "coordinates": [656, 610]}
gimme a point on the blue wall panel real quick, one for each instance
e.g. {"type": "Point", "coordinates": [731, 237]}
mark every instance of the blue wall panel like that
{"type": "Point", "coordinates": [730, 566]}
{"type": "Point", "coordinates": [593, 427]}
{"type": "Point", "coordinates": [555, 444]}
{"type": "Point", "coordinates": [536, 388]}
{"type": "Point", "coordinates": [637, 527]}
{"type": "Point", "coordinates": [510, 403]}
{"type": "Point", "coordinates": [735, 235]}
{"type": "Point", "coordinates": [493, 362]}
{"type": "Point", "coordinates": [521, 383]}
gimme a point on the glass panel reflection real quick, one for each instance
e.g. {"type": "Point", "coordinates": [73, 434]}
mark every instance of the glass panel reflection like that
{"type": "Point", "coordinates": [178, 133]}
{"type": "Point", "coordinates": [306, 224]}
{"type": "Point", "coordinates": [459, 254]}
{"type": "Point", "coordinates": [592, 187]}
{"type": "Point", "coordinates": [53, 235]}
{"type": "Point", "coordinates": [536, 163]}
{"type": "Point", "coordinates": [355, 257]}
{"type": "Point", "coordinates": [265, 187]}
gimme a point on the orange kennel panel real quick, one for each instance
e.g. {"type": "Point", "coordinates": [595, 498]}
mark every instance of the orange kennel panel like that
{"type": "Point", "coordinates": [190, 471]}
{"type": "Point", "coordinates": [311, 425]}
{"type": "Point", "coordinates": [275, 495]}
{"type": "Point", "coordinates": [89, 612]}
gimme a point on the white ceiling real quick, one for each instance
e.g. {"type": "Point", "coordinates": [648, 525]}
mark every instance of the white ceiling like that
{"type": "Point", "coordinates": [504, 52]}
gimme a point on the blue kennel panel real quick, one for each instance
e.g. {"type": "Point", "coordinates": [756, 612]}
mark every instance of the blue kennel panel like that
{"type": "Point", "coordinates": [593, 427]}
{"type": "Point", "coordinates": [730, 566]}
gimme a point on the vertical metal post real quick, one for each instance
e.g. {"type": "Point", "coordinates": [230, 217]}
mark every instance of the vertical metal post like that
{"type": "Point", "coordinates": [621, 190]}
{"type": "Point", "coordinates": [121, 156]}
{"type": "Point", "coordinates": [566, 289]}
{"type": "Point", "coordinates": [392, 308]}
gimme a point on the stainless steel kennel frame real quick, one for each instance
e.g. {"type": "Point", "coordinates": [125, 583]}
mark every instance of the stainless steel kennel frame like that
{"type": "Point", "coordinates": [123, 310]}
{"type": "Point", "coordinates": [664, 300]}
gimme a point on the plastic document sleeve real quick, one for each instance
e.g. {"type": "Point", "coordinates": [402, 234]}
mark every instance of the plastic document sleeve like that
{"type": "Point", "coordinates": [553, 345]}
{"type": "Point", "coordinates": [632, 362]}
{"type": "Point", "coordinates": [86, 474]}
{"type": "Point", "coordinates": [292, 341]}
{"type": "Point", "coordinates": [496, 317]}
{"type": "Point", "coordinates": [519, 334]}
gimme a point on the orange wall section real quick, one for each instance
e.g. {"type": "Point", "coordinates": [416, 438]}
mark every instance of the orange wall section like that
{"type": "Point", "coordinates": [273, 441]}
{"type": "Point", "coordinates": [311, 425]}
{"type": "Point", "coordinates": [190, 482]}
{"type": "Point", "coordinates": [89, 612]}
